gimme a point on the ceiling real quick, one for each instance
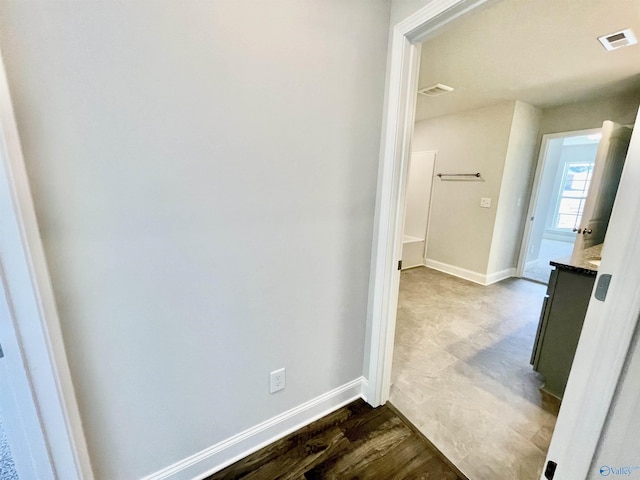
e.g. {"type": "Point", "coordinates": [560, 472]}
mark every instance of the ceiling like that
{"type": "Point", "coordinates": [543, 52]}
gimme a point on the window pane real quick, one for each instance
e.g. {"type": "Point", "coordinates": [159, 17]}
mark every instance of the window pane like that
{"type": "Point", "coordinates": [566, 221]}
{"type": "Point", "coordinates": [571, 197]}
{"type": "Point", "coordinates": [573, 193]}
{"type": "Point", "coordinates": [569, 205]}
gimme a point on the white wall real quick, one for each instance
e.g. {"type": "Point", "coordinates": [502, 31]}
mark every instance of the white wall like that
{"type": "Point", "coordinates": [401, 9]}
{"type": "Point", "coordinates": [513, 200]}
{"type": "Point", "coordinates": [460, 231]}
{"type": "Point", "coordinates": [621, 109]}
{"type": "Point", "coordinates": [204, 176]}
{"type": "Point", "coordinates": [499, 142]}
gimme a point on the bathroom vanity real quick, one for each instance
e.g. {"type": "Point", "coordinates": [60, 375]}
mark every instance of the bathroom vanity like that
{"type": "Point", "coordinates": [563, 311]}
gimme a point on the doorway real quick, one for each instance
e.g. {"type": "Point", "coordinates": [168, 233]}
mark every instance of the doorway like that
{"type": "Point", "coordinates": [575, 439]}
{"type": "Point", "coordinates": [565, 169]}
{"type": "Point", "coordinates": [463, 337]}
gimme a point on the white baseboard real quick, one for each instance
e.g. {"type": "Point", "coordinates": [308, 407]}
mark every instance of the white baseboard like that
{"type": "Point", "coordinates": [501, 275]}
{"type": "Point", "coordinates": [223, 454]}
{"type": "Point", "coordinates": [366, 394]}
{"type": "Point", "coordinates": [470, 275]}
{"type": "Point", "coordinates": [456, 271]}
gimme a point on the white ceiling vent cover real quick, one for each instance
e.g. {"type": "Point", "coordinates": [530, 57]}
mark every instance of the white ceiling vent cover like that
{"type": "Point", "coordinates": [620, 39]}
{"type": "Point", "coordinates": [435, 90]}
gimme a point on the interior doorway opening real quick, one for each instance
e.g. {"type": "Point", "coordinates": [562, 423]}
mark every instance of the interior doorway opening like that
{"type": "Point", "coordinates": [486, 280]}
{"type": "Point", "coordinates": [565, 171]}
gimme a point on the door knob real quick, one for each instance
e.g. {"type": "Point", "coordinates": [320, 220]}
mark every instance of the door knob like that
{"type": "Point", "coordinates": [587, 231]}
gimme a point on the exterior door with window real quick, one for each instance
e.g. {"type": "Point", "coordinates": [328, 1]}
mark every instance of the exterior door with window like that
{"type": "Point", "coordinates": [612, 152]}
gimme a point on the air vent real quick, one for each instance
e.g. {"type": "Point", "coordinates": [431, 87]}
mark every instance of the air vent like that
{"type": "Point", "coordinates": [624, 38]}
{"type": "Point", "coordinates": [435, 90]}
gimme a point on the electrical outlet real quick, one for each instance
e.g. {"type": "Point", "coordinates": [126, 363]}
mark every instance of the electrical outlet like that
{"type": "Point", "coordinates": [485, 202]}
{"type": "Point", "coordinates": [277, 380]}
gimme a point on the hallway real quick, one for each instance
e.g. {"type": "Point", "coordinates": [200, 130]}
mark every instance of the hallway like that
{"type": "Point", "coordinates": [461, 372]}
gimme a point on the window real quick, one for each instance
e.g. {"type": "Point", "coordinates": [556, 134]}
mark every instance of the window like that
{"type": "Point", "coordinates": [572, 195]}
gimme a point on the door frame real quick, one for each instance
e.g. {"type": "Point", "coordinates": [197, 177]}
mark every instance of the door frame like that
{"type": "Point", "coordinates": [608, 326]}
{"type": "Point", "coordinates": [35, 323]}
{"type": "Point", "coordinates": [535, 191]}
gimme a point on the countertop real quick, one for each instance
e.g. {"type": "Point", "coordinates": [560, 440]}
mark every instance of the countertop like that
{"type": "Point", "coordinates": [580, 263]}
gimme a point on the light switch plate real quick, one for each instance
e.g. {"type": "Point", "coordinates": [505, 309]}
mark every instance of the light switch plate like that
{"type": "Point", "coordinates": [485, 202]}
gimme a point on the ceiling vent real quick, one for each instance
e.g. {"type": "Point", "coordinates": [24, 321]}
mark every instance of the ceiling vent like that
{"type": "Point", "coordinates": [435, 90]}
{"type": "Point", "coordinates": [624, 38]}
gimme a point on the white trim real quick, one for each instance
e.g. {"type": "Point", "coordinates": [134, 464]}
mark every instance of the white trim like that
{"type": "Point", "coordinates": [475, 277]}
{"type": "Point", "coordinates": [399, 114]}
{"type": "Point", "coordinates": [365, 388]}
{"type": "Point", "coordinates": [496, 277]}
{"type": "Point", "coordinates": [389, 213]}
{"type": "Point", "coordinates": [35, 314]}
{"type": "Point", "coordinates": [222, 454]}
{"type": "Point", "coordinates": [21, 423]}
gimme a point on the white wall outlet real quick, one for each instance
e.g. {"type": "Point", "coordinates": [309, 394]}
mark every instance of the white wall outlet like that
{"type": "Point", "coordinates": [277, 380]}
{"type": "Point", "coordinates": [485, 202]}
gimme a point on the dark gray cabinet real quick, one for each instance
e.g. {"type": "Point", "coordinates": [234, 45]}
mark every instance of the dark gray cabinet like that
{"type": "Point", "coordinates": [561, 319]}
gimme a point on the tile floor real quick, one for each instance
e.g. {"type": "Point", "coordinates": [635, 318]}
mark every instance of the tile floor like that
{"type": "Point", "coordinates": [549, 250]}
{"type": "Point", "coordinates": [461, 372]}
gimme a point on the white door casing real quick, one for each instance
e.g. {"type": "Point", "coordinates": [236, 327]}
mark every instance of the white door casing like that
{"type": "Point", "coordinates": [34, 322]}
{"type": "Point", "coordinates": [533, 215]}
{"type": "Point", "coordinates": [608, 326]}
{"type": "Point", "coordinates": [19, 415]}
{"type": "Point", "coordinates": [399, 114]}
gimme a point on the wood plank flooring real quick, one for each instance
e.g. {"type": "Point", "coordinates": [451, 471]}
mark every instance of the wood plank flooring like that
{"type": "Point", "coordinates": [355, 442]}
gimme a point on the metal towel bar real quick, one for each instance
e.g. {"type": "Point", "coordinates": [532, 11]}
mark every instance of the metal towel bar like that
{"type": "Point", "coordinates": [459, 175]}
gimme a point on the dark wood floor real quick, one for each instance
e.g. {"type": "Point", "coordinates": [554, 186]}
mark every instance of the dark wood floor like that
{"type": "Point", "coordinates": [355, 442]}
